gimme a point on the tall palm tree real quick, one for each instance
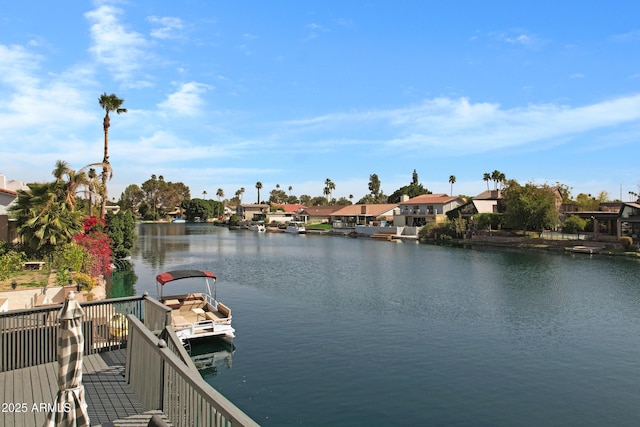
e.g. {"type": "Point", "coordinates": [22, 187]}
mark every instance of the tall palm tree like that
{"type": "Point", "coordinates": [452, 180]}
{"type": "Point", "coordinates": [329, 186]}
{"type": "Point", "coordinates": [486, 178]}
{"type": "Point", "coordinates": [219, 195]}
{"type": "Point", "coordinates": [108, 103]}
{"type": "Point", "coordinates": [258, 187]}
{"type": "Point", "coordinates": [204, 194]}
{"type": "Point", "coordinates": [290, 188]}
{"type": "Point", "coordinates": [495, 177]}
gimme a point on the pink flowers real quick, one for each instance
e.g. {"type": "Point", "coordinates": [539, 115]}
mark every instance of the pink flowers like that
{"type": "Point", "coordinates": [98, 243]}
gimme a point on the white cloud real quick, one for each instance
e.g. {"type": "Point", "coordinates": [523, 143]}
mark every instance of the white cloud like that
{"type": "Point", "coordinates": [168, 27]}
{"type": "Point", "coordinates": [187, 100]}
{"type": "Point", "coordinates": [123, 52]}
{"type": "Point", "coordinates": [449, 126]}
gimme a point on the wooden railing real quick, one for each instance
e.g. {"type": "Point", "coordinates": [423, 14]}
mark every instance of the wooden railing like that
{"type": "Point", "coordinates": [175, 345]}
{"type": "Point", "coordinates": [164, 382]}
{"type": "Point", "coordinates": [28, 337]}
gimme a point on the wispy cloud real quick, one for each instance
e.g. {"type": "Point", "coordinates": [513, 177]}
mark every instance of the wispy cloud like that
{"type": "Point", "coordinates": [628, 37]}
{"type": "Point", "coordinates": [512, 37]}
{"type": "Point", "coordinates": [167, 27]}
{"type": "Point", "coordinates": [187, 100]}
{"type": "Point", "coordinates": [28, 100]}
{"type": "Point", "coordinates": [315, 30]}
{"type": "Point", "coordinates": [450, 126]}
{"type": "Point", "coordinates": [123, 52]}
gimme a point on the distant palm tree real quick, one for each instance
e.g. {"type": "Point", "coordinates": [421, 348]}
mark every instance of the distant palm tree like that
{"type": "Point", "coordinates": [495, 177]}
{"type": "Point", "coordinates": [108, 103]}
{"type": "Point", "coordinates": [219, 194]}
{"type": "Point", "coordinates": [329, 186]}
{"type": "Point", "coordinates": [204, 194]}
{"type": "Point", "coordinates": [486, 178]}
{"type": "Point", "coordinates": [290, 188]}
{"type": "Point", "coordinates": [452, 180]}
{"type": "Point", "coordinates": [258, 187]}
{"type": "Point", "coordinates": [241, 193]}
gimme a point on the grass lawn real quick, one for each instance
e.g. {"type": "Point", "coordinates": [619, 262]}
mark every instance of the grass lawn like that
{"type": "Point", "coordinates": [325, 227]}
{"type": "Point", "coordinates": [26, 279]}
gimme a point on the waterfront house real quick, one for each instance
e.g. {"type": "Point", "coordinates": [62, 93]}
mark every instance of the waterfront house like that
{"type": "Point", "coordinates": [319, 214]}
{"type": "Point", "coordinates": [630, 220]}
{"type": "Point", "coordinates": [283, 213]}
{"type": "Point", "coordinates": [367, 214]}
{"type": "Point", "coordinates": [426, 208]}
{"type": "Point", "coordinates": [252, 212]}
{"type": "Point", "coordinates": [489, 202]}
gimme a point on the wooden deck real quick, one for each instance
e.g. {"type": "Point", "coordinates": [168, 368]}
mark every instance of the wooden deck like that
{"type": "Point", "coordinates": [111, 401]}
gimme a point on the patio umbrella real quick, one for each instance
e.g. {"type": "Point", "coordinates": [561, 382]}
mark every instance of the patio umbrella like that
{"type": "Point", "coordinates": [69, 408]}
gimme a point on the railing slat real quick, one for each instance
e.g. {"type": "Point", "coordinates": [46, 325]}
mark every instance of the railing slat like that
{"type": "Point", "coordinates": [186, 399]}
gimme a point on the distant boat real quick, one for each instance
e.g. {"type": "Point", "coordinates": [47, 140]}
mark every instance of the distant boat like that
{"type": "Point", "coordinates": [295, 227]}
{"type": "Point", "coordinates": [260, 228]}
{"type": "Point", "coordinates": [178, 220]}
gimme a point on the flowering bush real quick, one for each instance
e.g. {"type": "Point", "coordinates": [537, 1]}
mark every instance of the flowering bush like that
{"type": "Point", "coordinates": [98, 244]}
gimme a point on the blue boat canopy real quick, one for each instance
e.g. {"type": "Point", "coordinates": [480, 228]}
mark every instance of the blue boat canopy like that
{"type": "Point", "coordinates": [170, 276]}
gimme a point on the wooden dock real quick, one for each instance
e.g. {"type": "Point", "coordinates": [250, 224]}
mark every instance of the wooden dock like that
{"type": "Point", "coordinates": [111, 401]}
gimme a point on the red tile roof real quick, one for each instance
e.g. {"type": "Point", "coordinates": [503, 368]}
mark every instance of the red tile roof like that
{"type": "Point", "coordinates": [290, 208]}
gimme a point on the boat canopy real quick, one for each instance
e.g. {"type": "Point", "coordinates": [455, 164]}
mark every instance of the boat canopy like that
{"type": "Point", "coordinates": [170, 276]}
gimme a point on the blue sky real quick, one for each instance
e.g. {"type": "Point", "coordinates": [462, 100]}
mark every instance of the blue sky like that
{"type": "Point", "coordinates": [225, 94]}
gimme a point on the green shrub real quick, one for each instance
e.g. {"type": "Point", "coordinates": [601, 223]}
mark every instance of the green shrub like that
{"type": "Point", "coordinates": [11, 262]}
{"type": "Point", "coordinates": [427, 231]}
{"type": "Point", "coordinates": [574, 224]}
{"type": "Point", "coordinates": [71, 256]}
{"type": "Point", "coordinates": [626, 242]}
{"type": "Point", "coordinates": [87, 282]}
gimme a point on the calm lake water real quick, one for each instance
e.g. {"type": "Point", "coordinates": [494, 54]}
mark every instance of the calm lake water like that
{"type": "Point", "coordinates": [356, 332]}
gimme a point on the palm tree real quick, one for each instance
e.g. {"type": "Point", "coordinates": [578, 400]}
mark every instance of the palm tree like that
{"type": "Point", "coordinates": [219, 195]}
{"type": "Point", "coordinates": [93, 184]}
{"type": "Point", "coordinates": [240, 193]}
{"type": "Point", "coordinates": [501, 179]}
{"type": "Point", "coordinates": [290, 188]}
{"type": "Point", "coordinates": [259, 187]}
{"type": "Point", "coordinates": [329, 186]}
{"type": "Point", "coordinates": [486, 178]}
{"type": "Point", "coordinates": [204, 194]}
{"type": "Point", "coordinates": [452, 180]}
{"type": "Point", "coordinates": [495, 177]}
{"type": "Point", "coordinates": [108, 103]}
{"type": "Point", "coordinates": [69, 188]}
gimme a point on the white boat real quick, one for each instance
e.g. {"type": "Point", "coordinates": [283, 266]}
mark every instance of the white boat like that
{"type": "Point", "coordinates": [260, 228]}
{"type": "Point", "coordinates": [196, 315]}
{"type": "Point", "coordinates": [178, 220]}
{"type": "Point", "coordinates": [295, 227]}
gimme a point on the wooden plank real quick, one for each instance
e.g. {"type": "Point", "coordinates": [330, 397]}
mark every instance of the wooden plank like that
{"type": "Point", "coordinates": [8, 417]}
{"type": "Point", "coordinates": [19, 397]}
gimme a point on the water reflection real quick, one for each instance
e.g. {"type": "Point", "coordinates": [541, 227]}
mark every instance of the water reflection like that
{"type": "Point", "coordinates": [210, 355]}
{"type": "Point", "coordinates": [121, 282]}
